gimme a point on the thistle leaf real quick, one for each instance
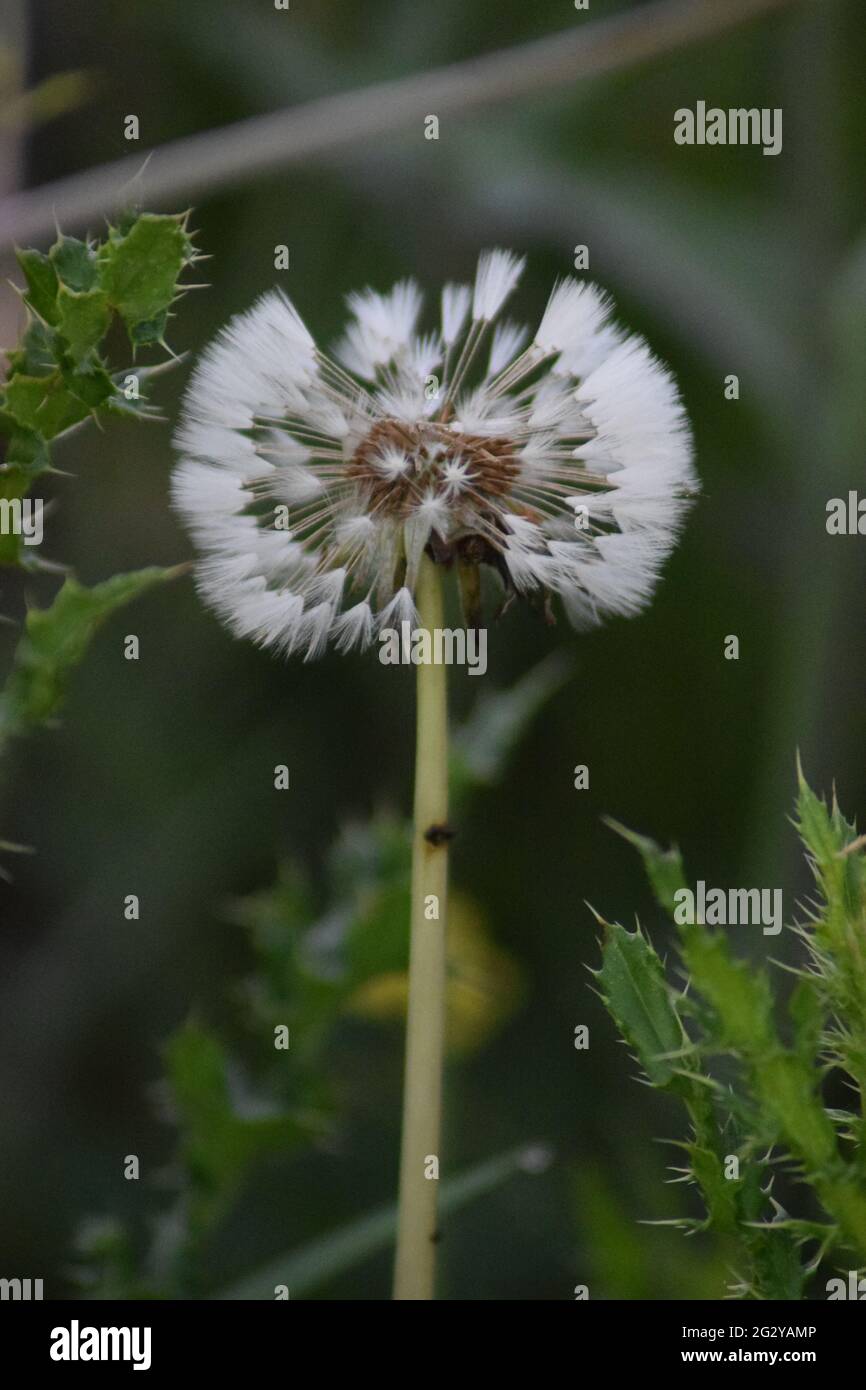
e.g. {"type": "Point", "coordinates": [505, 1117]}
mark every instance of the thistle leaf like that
{"type": "Point", "coordinates": [139, 270]}
{"type": "Point", "coordinates": [82, 317]}
{"type": "Point", "coordinates": [42, 283]}
{"type": "Point", "coordinates": [54, 641]}
{"type": "Point", "coordinates": [664, 867]}
{"type": "Point", "coordinates": [636, 993]}
{"type": "Point", "coordinates": [223, 1127]}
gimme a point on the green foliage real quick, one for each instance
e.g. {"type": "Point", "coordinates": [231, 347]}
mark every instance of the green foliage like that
{"type": "Point", "coordinates": [320, 965]}
{"type": "Point", "coordinates": [54, 641]}
{"type": "Point", "coordinates": [769, 1113]}
{"type": "Point", "coordinates": [223, 1124]}
{"type": "Point", "coordinates": [664, 867]}
{"type": "Point", "coordinates": [479, 750]}
{"type": "Point", "coordinates": [634, 988]}
{"type": "Point", "coordinates": [139, 267]}
{"type": "Point", "coordinates": [59, 375]}
{"type": "Point", "coordinates": [623, 1264]}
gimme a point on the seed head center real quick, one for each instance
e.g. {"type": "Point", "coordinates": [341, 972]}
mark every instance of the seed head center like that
{"type": "Point", "coordinates": [398, 464]}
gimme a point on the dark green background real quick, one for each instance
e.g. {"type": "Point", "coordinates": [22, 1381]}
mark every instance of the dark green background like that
{"type": "Point", "coordinates": [159, 781]}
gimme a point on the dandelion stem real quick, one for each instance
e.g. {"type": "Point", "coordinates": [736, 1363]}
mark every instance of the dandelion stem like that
{"type": "Point", "coordinates": [422, 1096]}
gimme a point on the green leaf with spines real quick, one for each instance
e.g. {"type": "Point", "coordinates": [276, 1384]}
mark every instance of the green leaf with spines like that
{"type": "Point", "coordinates": [634, 988]}
{"type": "Point", "coordinates": [719, 1192]}
{"type": "Point", "coordinates": [57, 376]}
{"type": "Point", "coordinates": [786, 1086]}
{"type": "Point", "coordinates": [837, 934]}
{"type": "Point", "coordinates": [42, 283]}
{"type": "Point", "coordinates": [140, 265]}
{"type": "Point", "coordinates": [74, 263]}
{"type": "Point", "coordinates": [739, 995]}
{"type": "Point", "coordinates": [664, 867]}
{"type": "Point", "coordinates": [772, 1110]}
{"type": "Point", "coordinates": [44, 404]}
{"type": "Point", "coordinates": [83, 319]}
{"type": "Point", "coordinates": [38, 352]}
{"type": "Point", "coordinates": [54, 641]}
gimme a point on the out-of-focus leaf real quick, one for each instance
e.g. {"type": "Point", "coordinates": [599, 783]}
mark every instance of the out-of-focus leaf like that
{"type": "Point", "coordinates": [624, 1264]}
{"type": "Point", "coordinates": [55, 95]}
{"type": "Point", "coordinates": [483, 990]}
{"type": "Point", "coordinates": [482, 746]}
{"type": "Point", "coordinates": [105, 1263]}
{"type": "Point", "coordinates": [54, 641]}
{"type": "Point", "coordinates": [806, 1011]}
{"type": "Point", "coordinates": [223, 1127]}
{"type": "Point", "coordinates": [307, 1269]}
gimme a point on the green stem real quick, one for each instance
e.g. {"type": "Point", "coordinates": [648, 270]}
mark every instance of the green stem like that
{"type": "Point", "coordinates": [422, 1095]}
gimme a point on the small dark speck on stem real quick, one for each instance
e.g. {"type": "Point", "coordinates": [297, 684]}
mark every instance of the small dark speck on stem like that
{"type": "Point", "coordinates": [439, 834]}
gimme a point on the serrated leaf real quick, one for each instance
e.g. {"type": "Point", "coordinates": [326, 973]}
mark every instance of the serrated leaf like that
{"type": "Point", "coordinates": [636, 993]}
{"type": "Point", "coordinates": [664, 867]}
{"type": "Point", "coordinates": [223, 1127]}
{"type": "Point", "coordinates": [74, 263]}
{"type": "Point", "coordinates": [54, 641]}
{"type": "Point", "coordinates": [83, 318]}
{"type": "Point", "coordinates": [778, 1264]}
{"type": "Point", "coordinates": [37, 353]}
{"type": "Point", "coordinates": [719, 1193]}
{"type": "Point", "coordinates": [42, 283]}
{"type": "Point", "coordinates": [26, 456]}
{"type": "Point", "coordinates": [44, 404]}
{"type": "Point", "coordinates": [841, 876]}
{"type": "Point", "coordinates": [786, 1086]}
{"type": "Point", "coordinates": [738, 993]}
{"type": "Point", "coordinates": [148, 331]}
{"type": "Point", "coordinates": [139, 270]}
{"type": "Point", "coordinates": [824, 833]}
{"type": "Point", "coordinates": [92, 386]}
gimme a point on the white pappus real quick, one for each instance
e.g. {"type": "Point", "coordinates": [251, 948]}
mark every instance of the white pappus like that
{"type": "Point", "coordinates": [312, 484]}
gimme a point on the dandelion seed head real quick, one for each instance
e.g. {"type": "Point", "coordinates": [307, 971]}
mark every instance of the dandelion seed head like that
{"type": "Point", "coordinates": [565, 466]}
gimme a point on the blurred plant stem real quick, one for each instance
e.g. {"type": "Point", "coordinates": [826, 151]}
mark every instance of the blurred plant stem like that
{"type": "Point", "coordinates": [232, 155]}
{"type": "Point", "coordinates": [422, 1095]}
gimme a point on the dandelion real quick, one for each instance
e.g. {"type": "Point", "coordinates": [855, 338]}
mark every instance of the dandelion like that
{"type": "Point", "coordinates": [327, 494]}
{"type": "Point", "coordinates": [563, 467]}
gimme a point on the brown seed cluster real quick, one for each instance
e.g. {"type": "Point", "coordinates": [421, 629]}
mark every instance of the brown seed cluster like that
{"type": "Point", "coordinates": [428, 445]}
